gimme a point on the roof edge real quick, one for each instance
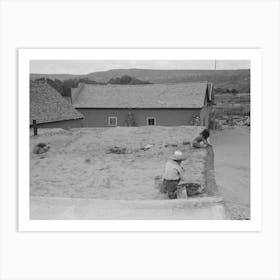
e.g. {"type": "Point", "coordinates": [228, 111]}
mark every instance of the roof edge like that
{"type": "Point", "coordinates": [152, 84]}
{"type": "Point", "coordinates": [63, 120]}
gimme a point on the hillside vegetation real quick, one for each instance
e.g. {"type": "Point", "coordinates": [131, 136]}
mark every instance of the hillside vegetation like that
{"type": "Point", "coordinates": [127, 80]}
{"type": "Point", "coordinates": [223, 80]}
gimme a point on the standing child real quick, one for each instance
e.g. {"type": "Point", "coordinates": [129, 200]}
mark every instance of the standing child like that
{"type": "Point", "coordinates": [202, 140]}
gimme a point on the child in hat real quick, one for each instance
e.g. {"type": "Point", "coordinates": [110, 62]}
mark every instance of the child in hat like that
{"type": "Point", "coordinates": [173, 173]}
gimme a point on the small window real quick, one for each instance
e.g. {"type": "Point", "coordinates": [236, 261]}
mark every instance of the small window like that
{"type": "Point", "coordinates": [151, 121]}
{"type": "Point", "coordinates": [112, 121]}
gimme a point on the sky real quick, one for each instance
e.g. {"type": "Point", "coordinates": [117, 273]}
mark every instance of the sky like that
{"type": "Point", "coordinates": [89, 66]}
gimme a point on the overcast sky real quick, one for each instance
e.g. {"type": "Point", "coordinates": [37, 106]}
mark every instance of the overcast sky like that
{"type": "Point", "coordinates": [88, 66]}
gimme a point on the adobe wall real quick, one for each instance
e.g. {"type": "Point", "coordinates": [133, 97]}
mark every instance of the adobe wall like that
{"type": "Point", "coordinates": [164, 117]}
{"type": "Point", "coordinates": [211, 188]}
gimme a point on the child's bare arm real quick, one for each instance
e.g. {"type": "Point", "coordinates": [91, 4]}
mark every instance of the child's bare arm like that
{"type": "Point", "coordinates": [205, 141]}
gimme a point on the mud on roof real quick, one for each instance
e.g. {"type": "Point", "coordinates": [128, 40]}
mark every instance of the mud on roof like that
{"type": "Point", "coordinates": [180, 95]}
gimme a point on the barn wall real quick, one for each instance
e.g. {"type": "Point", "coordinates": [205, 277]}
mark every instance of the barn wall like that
{"type": "Point", "coordinates": [164, 117]}
{"type": "Point", "coordinates": [63, 124]}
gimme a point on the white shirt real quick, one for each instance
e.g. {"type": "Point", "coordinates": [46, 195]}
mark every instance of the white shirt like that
{"type": "Point", "coordinates": [173, 171]}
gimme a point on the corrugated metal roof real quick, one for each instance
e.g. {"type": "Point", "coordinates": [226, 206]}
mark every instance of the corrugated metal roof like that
{"type": "Point", "coordinates": [181, 95]}
{"type": "Point", "coordinates": [47, 105]}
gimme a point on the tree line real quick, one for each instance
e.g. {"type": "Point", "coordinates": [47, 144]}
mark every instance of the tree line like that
{"type": "Point", "coordinates": [64, 86]}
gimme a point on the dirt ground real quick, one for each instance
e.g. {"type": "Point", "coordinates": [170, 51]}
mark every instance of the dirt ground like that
{"type": "Point", "coordinates": [232, 169]}
{"type": "Point", "coordinates": [78, 164]}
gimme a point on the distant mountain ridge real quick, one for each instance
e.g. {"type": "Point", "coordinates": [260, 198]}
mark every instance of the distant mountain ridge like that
{"type": "Point", "coordinates": [230, 79]}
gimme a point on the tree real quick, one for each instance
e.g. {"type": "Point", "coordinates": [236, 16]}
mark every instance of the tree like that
{"type": "Point", "coordinates": [126, 80]}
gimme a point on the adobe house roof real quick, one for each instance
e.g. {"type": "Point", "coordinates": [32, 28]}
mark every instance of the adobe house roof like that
{"type": "Point", "coordinates": [47, 105]}
{"type": "Point", "coordinates": [181, 95]}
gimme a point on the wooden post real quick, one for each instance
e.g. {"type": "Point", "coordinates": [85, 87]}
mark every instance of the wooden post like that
{"type": "Point", "coordinates": [35, 129]}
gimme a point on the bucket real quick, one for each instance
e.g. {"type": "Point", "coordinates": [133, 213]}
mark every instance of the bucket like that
{"type": "Point", "coordinates": [181, 193]}
{"type": "Point", "coordinates": [158, 182]}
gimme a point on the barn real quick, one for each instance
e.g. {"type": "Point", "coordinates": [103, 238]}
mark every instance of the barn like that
{"type": "Point", "coordinates": [49, 109]}
{"type": "Point", "coordinates": [140, 105]}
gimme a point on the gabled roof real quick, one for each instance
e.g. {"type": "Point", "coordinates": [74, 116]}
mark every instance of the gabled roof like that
{"type": "Point", "coordinates": [181, 95]}
{"type": "Point", "coordinates": [47, 105]}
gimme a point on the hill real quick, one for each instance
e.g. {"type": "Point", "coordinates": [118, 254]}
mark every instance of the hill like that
{"type": "Point", "coordinates": [223, 79]}
{"type": "Point", "coordinates": [62, 77]}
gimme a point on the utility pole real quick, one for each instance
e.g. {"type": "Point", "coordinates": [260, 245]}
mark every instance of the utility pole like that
{"type": "Point", "coordinates": [212, 123]}
{"type": "Point", "coordinates": [215, 74]}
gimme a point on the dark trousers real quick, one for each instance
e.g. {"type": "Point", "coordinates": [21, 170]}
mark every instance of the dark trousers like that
{"type": "Point", "coordinates": [171, 188]}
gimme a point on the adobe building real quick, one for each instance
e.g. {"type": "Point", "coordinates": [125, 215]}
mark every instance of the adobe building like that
{"type": "Point", "coordinates": [140, 105]}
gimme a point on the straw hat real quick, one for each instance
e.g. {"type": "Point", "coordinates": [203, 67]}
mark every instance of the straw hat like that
{"type": "Point", "coordinates": [178, 155]}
